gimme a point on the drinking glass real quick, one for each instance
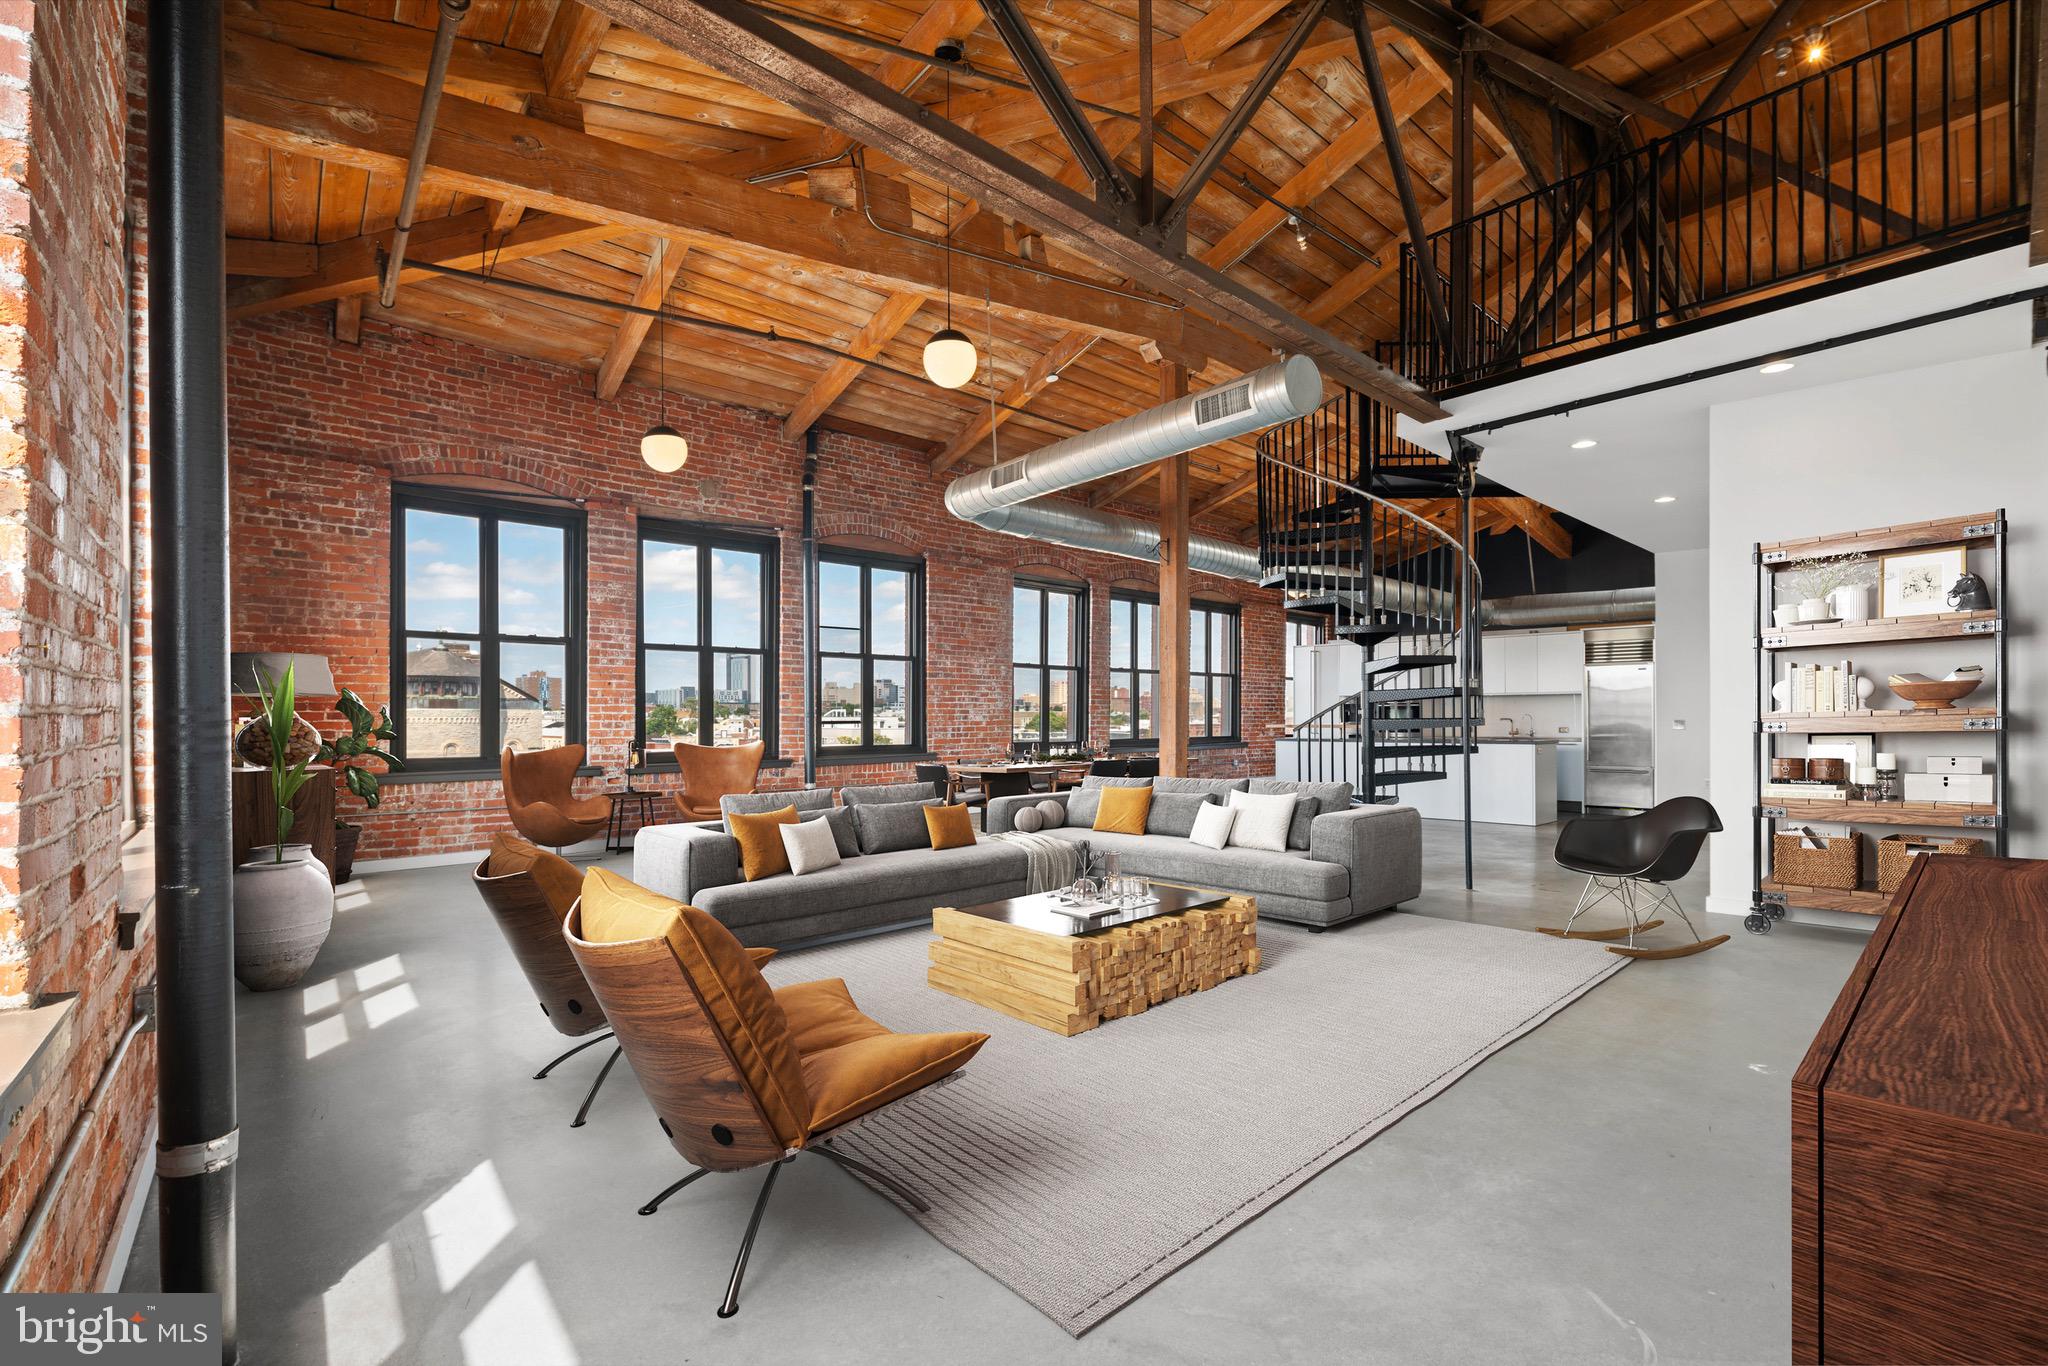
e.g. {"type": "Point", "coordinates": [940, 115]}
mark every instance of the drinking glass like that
{"type": "Point", "coordinates": [1085, 889]}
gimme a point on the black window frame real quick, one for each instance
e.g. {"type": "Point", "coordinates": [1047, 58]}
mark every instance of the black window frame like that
{"type": "Point", "coordinates": [1205, 733]}
{"type": "Point", "coordinates": [1131, 599]}
{"type": "Point", "coordinates": [707, 540]}
{"type": "Point", "coordinates": [867, 561]}
{"type": "Point", "coordinates": [489, 511]}
{"type": "Point", "coordinates": [1077, 702]}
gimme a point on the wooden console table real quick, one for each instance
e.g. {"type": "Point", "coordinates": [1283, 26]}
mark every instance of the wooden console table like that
{"type": "Point", "coordinates": [1919, 1136]}
{"type": "Point", "coordinates": [255, 814]}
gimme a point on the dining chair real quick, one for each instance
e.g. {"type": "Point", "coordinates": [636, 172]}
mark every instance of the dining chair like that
{"type": "Point", "coordinates": [714, 771]}
{"type": "Point", "coordinates": [1069, 776]}
{"type": "Point", "coordinates": [1630, 857]}
{"type": "Point", "coordinates": [938, 775]}
{"type": "Point", "coordinates": [1143, 768]}
{"type": "Point", "coordinates": [1109, 768]}
{"type": "Point", "coordinates": [742, 1075]}
{"type": "Point", "coordinates": [539, 795]}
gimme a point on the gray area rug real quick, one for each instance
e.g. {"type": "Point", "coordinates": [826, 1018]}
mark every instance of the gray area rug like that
{"type": "Point", "coordinates": [1082, 1172]}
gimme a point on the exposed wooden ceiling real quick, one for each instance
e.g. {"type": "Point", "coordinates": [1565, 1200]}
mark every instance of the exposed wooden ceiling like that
{"type": "Point", "coordinates": [575, 153]}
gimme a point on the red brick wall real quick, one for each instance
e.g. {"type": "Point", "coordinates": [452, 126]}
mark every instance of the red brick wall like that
{"type": "Point", "coordinates": [62, 580]}
{"type": "Point", "coordinates": [318, 430]}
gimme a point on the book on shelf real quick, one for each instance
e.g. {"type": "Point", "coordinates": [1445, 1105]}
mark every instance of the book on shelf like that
{"type": "Point", "coordinates": [1807, 792]}
{"type": "Point", "coordinates": [1821, 689]}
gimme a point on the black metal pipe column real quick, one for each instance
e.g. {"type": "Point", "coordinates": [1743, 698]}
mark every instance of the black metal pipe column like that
{"type": "Point", "coordinates": [194, 866]}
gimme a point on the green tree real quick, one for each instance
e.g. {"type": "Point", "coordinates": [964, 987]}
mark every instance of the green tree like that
{"type": "Point", "coordinates": [662, 720]}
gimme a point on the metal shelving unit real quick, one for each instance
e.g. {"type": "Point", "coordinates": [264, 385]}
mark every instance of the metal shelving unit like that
{"type": "Point", "coordinates": [1769, 896]}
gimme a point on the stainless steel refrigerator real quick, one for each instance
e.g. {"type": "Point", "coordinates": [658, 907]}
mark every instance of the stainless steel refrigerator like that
{"type": "Point", "coordinates": [1621, 755]}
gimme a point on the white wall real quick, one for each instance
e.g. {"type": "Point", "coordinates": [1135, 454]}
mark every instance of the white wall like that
{"type": "Point", "coordinates": [1682, 680]}
{"type": "Point", "coordinates": [1945, 440]}
{"type": "Point", "coordinates": [1551, 714]}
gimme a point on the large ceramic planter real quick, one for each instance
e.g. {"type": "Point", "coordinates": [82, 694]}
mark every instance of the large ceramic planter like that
{"type": "Point", "coordinates": [283, 912]}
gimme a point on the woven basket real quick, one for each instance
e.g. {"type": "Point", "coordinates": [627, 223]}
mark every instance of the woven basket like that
{"type": "Point", "coordinates": [1895, 855]}
{"type": "Point", "coordinates": [1838, 865]}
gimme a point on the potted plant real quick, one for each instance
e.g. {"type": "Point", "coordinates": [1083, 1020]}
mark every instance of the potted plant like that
{"type": "Point", "coordinates": [1812, 582]}
{"type": "Point", "coordinates": [284, 902]}
{"type": "Point", "coordinates": [350, 754]}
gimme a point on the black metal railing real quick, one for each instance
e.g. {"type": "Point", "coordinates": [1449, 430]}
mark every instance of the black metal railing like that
{"type": "Point", "coordinates": [1384, 577]}
{"type": "Point", "coordinates": [1907, 148]}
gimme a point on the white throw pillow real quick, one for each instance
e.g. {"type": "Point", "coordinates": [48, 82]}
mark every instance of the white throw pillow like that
{"type": "Point", "coordinates": [1212, 825]}
{"type": "Point", "coordinates": [1055, 813]}
{"type": "Point", "coordinates": [810, 846]}
{"type": "Point", "coordinates": [1261, 821]}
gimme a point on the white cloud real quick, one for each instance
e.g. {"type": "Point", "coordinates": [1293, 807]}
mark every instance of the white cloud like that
{"type": "Point", "coordinates": [673, 570]}
{"type": "Point", "coordinates": [441, 581]}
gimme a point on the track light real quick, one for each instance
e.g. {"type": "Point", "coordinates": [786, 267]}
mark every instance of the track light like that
{"type": "Point", "coordinates": [1300, 231]}
{"type": "Point", "coordinates": [1816, 44]}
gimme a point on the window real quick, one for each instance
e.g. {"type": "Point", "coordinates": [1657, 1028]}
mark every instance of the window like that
{"type": "Point", "coordinates": [1212, 672]}
{"type": "Point", "coordinates": [486, 590]}
{"type": "Point", "coordinates": [1048, 699]}
{"type": "Point", "coordinates": [1300, 631]}
{"type": "Point", "coordinates": [1134, 669]}
{"type": "Point", "coordinates": [870, 654]}
{"type": "Point", "coordinates": [707, 644]}
{"type": "Point", "coordinates": [1133, 666]}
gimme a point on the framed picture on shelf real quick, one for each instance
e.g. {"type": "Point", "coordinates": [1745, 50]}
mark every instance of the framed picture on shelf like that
{"type": "Point", "coordinates": [1857, 751]}
{"type": "Point", "coordinates": [1915, 583]}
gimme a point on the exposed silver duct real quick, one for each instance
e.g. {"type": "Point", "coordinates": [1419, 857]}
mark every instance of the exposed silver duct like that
{"type": "Point", "coordinates": [1085, 528]}
{"type": "Point", "coordinates": [1572, 609]}
{"type": "Point", "coordinates": [1278, 393]}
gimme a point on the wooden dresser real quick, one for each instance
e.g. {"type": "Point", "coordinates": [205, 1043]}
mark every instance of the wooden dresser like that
{"type": "Point", "coordinates": [1920, 1131]}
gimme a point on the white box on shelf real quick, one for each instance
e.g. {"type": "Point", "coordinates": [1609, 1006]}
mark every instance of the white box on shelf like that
{"type": "Point", "coordinates": [1948, 787]}
{"type": "Point", "coordinates": [1956, 763]}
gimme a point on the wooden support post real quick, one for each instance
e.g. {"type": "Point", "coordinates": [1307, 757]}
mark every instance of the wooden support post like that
{"type": "Point", "coordinates": [1171, 708]}
{"type": "Point", "coordinates": [2034, 120]}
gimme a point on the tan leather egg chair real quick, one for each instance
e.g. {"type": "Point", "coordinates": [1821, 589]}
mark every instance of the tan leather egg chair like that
{"type": "Point", "coordinates": [714, 771]}
{"type": "Point", "coordinates": [540, 797]}
{"type": "Point", "coordinates": [528, 891]}
{"type": "Point", "coordinates": [740, 1074]}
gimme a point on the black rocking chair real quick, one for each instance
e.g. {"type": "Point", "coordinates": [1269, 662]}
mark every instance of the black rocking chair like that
{"type": "Point", "coordinates": [1630, 859]}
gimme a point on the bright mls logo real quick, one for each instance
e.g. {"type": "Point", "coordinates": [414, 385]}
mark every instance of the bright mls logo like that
{"type": "Point", "coordinates": [160, 1330]}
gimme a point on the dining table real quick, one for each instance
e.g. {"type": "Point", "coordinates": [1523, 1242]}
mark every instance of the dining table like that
{"type": "Point", "coordinates": [1004, 779]}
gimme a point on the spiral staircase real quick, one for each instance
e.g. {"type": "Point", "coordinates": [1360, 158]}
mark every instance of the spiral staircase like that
{"type": "Point", "coordinates": [1337, 538]}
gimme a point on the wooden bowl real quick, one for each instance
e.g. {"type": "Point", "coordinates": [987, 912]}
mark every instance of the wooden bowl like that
{"type": "Point", "coordinates": [1937, 694]}
{"type": "Point", "coordinates": [1827, 770]}
{"type": "Point", "coordinates": [1788, 770]}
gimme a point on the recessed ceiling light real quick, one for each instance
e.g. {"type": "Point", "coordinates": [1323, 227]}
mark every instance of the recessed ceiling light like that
{"type": "Point", "coordinates": [1776, 367]}
{"type": "Point", "coordinates": [1584, 444]}
{"type": "Point", "coordinates": [1667, 498]}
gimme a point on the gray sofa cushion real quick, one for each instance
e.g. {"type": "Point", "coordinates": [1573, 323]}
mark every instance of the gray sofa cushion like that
{"type": "Point", "coordinates": [1222, 787]}
{"type": "Point", "coordinates": [1082, 804]}
{"type": "Point", "coordinates": [933, 875]}
{"type": "Point", "coordinates": [754, 803]}
{"type": "Point", "coordinates": [1173, 813]}
{"type": "Point", "coordinates": [844, 834]}
{"type": "Point", "coordinates": [1259, 872]}
{"type": "Point", "coordinates": [1328, 797]}
{"type": "Point", "coordinates": [886, 792]}
{"type": "Point", "coordinates": [1094, 781]}
{"type": "Point", "coordinates": [885, 827]}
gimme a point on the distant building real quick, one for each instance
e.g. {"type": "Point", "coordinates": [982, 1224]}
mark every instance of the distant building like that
{"type": "Point", "coordinates": [443, 685]}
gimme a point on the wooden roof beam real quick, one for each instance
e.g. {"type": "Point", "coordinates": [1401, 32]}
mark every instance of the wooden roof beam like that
{"type": "Point", "coordinates": [1228, 494]}
{"type": "Point", "coordinates": [1366, 276]}
{"type": "Point", "coordinates": [475, 69]}
{"type": "Point", "coordinates": [574, 37]}
{"type": "Point", "coordinates": [464, 241]}
{"type": "Point", "coordinates": [1634, 22]}
{"type": "Point", "coordinates": [275, 260]}
{"type": "Point", "coordinates": [1224, 26]}
{"type": "Point", "coordinates": [896, 311]}
{"type": "Point", "coordinates": [284, 98]}
{"type": "Point", "coordinates": [752, 48]}
{"type": "Point", "coordinates": [1017, 394]}
{"type": "Point", "coordinates": [1536, 519]}
{"type": "Point", "coordinates": [655, 283]}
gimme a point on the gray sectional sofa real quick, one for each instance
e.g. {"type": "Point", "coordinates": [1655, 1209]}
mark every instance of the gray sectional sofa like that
{"type": "Point", "coordinates": [1351, 860]}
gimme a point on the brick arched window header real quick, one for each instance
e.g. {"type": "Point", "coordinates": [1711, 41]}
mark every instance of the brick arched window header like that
{"type": "Point", "coordinates": [486, 470]}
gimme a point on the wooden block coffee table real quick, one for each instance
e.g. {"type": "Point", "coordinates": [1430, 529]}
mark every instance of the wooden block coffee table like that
{"type": "Point", "coordinates": [1036, 965]}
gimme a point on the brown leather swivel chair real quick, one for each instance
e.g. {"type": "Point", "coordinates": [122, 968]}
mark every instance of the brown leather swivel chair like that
{"type": "Point", "coordinates": [714, 771]}
{"type": "Point", "coordinates": [528, 892]}
{"type": "Point", "coordinates": [740, 1074]}
{"type": "Point", "coordinates": [539, 796]}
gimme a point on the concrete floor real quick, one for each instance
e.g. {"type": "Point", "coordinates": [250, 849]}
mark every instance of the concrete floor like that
{"type": "Point", "coordinates": [1610, 1189]}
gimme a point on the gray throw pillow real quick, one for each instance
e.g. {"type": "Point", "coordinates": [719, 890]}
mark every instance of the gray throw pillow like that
{"type": "Point", "coordinates": [1053, 812]}
{"type": "Point", "coordinates": [840, 818]}
{"type": "Point", "coordinates": [1326, 797]}
{"type": "Point", "coordinates": [885, 827]}
{"type": "Point", "coordinates": [1092, 780]}
{"type": "Point", "coordinates": [1220, 786]}
{"type": "Point", "coordinates": [1028, 819]}
{"type": "Point", "coordinates": [1173, 813]}
{"type": "Point", "coordinates": [754, 803]}
{"type": "Point", "coordinates": [886, 793]}
{"type": "Point", "coordinates": [1082, 804]}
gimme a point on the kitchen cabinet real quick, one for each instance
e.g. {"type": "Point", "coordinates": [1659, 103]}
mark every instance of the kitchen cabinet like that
{"type": "Point", "coordinates": [1571, 773]}
{"type": "Point", "coordinates": [1560, 662]}
{"type": "Point", "coordinates": [1525, 664]}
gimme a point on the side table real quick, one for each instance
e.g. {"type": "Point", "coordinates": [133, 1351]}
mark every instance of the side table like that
{"type": "Point", "coordinates": [615, 829]}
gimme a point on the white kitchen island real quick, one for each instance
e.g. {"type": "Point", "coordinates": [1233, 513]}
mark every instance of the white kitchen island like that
{"type": "Point", "coordinates": [1514, 782]}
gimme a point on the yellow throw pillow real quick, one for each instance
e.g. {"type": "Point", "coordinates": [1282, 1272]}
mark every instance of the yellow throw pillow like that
{"type": "Point", "coordinates": [618, 911]}
{"type": "Point", "coordinates": [761, 851]}
{"type": "Point", "coordinates": [951, 827]}
{"type": "Point", "coordinates": [1123, 810]}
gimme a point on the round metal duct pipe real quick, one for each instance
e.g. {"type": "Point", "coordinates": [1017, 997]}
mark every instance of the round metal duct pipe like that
{"type": "Point", "coordinates": [1278, 393]}
{"type": "Point", "coordinates": [1085, 528]}
{"type": "Point", "coordinates": [1571, 609]}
